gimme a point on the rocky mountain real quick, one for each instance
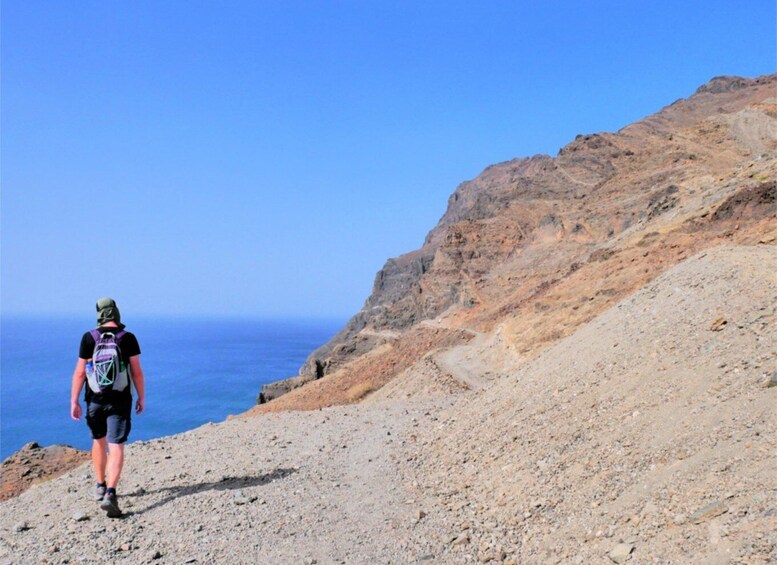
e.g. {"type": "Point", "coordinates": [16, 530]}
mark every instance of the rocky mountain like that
{"type": "Point", "coordinates": [535, 247]}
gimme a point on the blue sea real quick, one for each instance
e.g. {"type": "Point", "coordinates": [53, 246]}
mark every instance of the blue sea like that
{"type": "Point", "coordinates": [197, 371]}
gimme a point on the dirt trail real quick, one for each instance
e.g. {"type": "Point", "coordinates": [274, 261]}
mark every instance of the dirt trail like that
{"type": "Point", "coordinates": [322, 486]}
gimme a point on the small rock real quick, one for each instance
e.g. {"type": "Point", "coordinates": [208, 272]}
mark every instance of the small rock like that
{"type": "Point", "coordinates": [772, 381]}
{"type": "Point", "coordinates": [621, 552]}
{"type": "Point", "coordinates": [154, 555]}
{"type": "Point", "coordinates": [125, 547]}
{"type": "Point", "coordinates": [21, 527]}
{"type": "Point", "coordinates": [679, 519]}
{"type": "Point", "coordinates": [80, 516]}
{"type": "Point", "coordinates": [649, 508]}
{"type": "Point", "coordinates": [709, 511]}
{"type": "Point", "coordinates": [461, 539]}
{"type": "Point", "coordinates": [718, 324]}
{"type": "Point", "coordinates": [420, 514]}
{"type": "Point", "coordinates": [241, 498]}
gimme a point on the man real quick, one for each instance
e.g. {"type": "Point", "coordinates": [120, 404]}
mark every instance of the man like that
{"type": "Point", "coordinates": [108, 412]}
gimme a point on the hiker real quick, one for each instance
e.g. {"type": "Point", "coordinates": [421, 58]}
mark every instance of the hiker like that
{"type": "Point", "coordinates": [108, 359]}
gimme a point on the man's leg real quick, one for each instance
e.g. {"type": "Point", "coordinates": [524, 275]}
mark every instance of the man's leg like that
{"type": "Point", "coordinates": [99, 459]}
{"type": "Point", "coordinates": [119, 424]}
{"type": "Point", "coordinates": [95, 419]}
{"type": "Point", "coordinates": [115, 463]}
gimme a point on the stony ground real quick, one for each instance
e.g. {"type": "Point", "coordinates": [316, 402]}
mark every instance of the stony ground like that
{"type": "Point", "coordinates": [324, 486]}
{"type": "Point", "coordinates": [648, 436]}
{"type": "Point", "coordinates": [651, 428]}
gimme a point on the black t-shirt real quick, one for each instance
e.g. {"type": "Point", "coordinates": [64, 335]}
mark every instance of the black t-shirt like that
{"type": "Point", "coordinates": [129, 347]}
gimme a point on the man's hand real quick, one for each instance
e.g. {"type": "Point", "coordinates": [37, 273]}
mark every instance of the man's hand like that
{"type": "Point", "coordinates": [75, 411]}
{"type": "Point", "coordinates": [140, 405]}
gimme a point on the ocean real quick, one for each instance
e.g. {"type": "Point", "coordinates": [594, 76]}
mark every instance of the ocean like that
{"type": "Point", "coordinates": [197, 371]}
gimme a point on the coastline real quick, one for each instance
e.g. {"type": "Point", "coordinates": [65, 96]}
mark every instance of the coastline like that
{"type": "Point", "coordinates": [198, 370]}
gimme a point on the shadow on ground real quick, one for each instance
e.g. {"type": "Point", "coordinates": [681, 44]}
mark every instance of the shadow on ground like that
{"type": "Point", "coordinates": [227, 483]}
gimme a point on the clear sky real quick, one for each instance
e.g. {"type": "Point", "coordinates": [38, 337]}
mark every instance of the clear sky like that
{"type": "Point", "coordinates": [265, 158]}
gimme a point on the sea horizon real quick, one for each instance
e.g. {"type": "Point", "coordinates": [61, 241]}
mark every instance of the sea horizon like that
{"type": "Point", "coordinates": [199, 369]}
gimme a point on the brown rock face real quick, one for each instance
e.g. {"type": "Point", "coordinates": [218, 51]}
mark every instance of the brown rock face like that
{"type": "Point", "coordinates": [34, 464]}
{"type": "Point", "coordinates": [534, 247]}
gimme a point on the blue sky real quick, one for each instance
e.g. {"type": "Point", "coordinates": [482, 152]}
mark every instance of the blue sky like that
{"type": "Point", "coordinates": [266, 158]}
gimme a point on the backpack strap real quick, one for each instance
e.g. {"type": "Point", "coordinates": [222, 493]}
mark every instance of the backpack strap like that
{"type": "Point", "coordinates": [97, 334]}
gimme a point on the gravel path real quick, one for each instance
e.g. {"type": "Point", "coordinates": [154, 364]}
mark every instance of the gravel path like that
{"type": "Point", "coordinates": [308, 487]}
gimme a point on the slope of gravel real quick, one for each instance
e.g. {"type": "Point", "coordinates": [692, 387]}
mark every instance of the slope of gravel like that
{"type": "Point", "coordinates": [651, 428]}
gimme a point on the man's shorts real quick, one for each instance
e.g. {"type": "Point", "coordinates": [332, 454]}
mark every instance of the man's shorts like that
{"type": "Point", "coordinates": [110, 419]}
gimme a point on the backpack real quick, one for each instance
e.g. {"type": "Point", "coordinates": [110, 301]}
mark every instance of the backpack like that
{"type": "Point", "coordinates": [106, 370]}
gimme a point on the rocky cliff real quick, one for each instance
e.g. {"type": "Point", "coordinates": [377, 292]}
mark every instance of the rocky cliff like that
{"type": "Point", "coordinates": [534, 247]}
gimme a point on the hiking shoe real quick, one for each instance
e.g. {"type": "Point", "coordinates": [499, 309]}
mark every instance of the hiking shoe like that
{"type": "Point", "coordinates": [98, 493]}
{"type": "Point", "coordinates": [110, 505]}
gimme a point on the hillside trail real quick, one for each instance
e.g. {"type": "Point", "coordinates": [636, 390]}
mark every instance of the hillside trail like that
{"type": "Point", "coordinates": [479, 362]}
{"type": "Point", "coordinates": [467, 364]}
{"type": "Point", "coordinates": [566, 174]}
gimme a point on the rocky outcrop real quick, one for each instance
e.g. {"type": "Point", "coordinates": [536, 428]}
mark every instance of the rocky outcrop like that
{"type": "Point", "coordinates": [34, 464]}
{"type": "Point", "coordinates": [537, 246]}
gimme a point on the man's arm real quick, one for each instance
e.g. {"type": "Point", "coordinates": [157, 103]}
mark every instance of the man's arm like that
{"type": "Point", "coordinates": [136, 371]}
{"type": "Point", "coordinates": [79, 376]}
